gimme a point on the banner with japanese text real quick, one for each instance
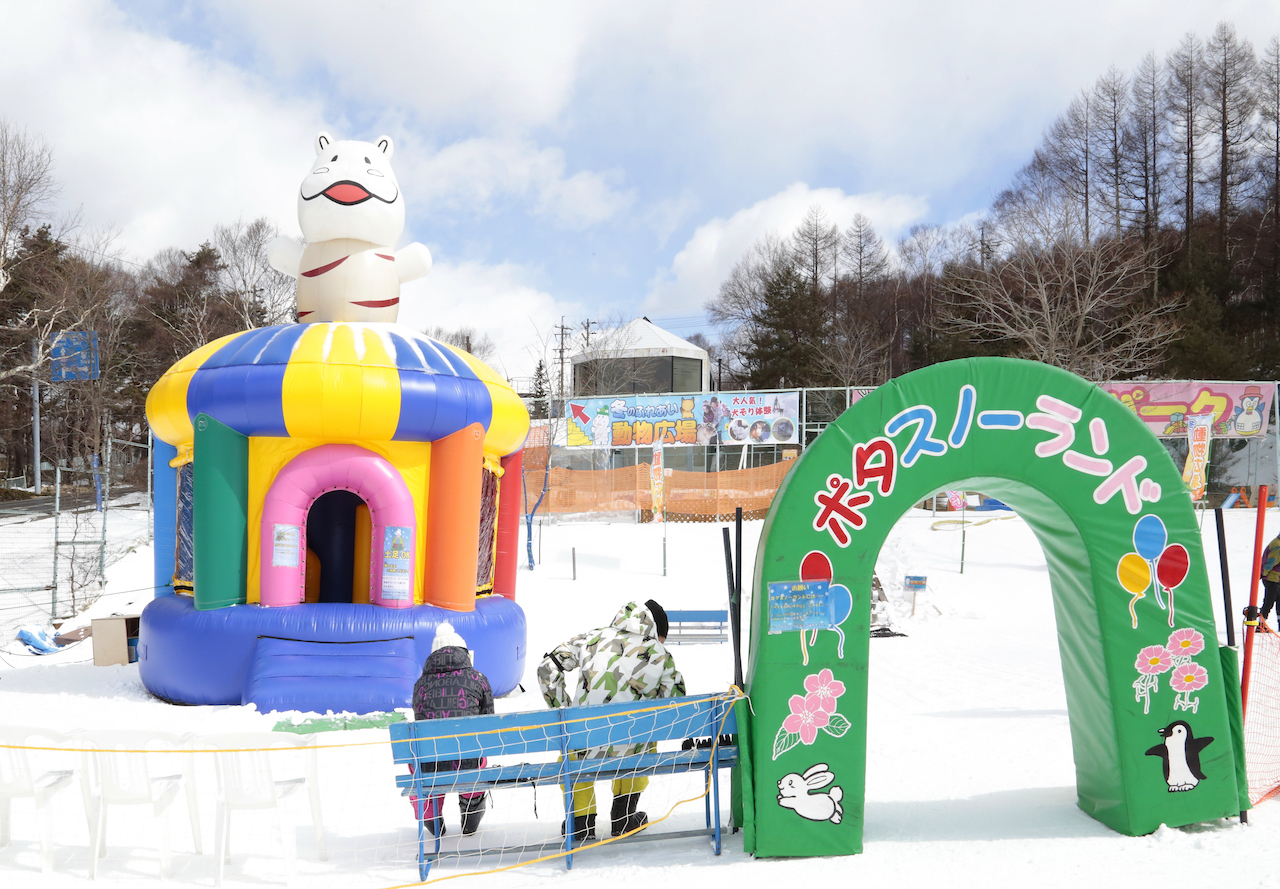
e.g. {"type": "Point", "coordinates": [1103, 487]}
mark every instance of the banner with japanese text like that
{"type": "Point", "coordinates": [1196, 471]}
{"type": "Point", "coordinates": [1240, 410]}
{"type": "Point", "coordinates": [728, 418]}
{"type": "Point", "coordinates": [657, 481]}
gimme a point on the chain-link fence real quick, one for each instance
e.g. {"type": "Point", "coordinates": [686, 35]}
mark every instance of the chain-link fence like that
{"type": "Point", "coordinates": [55, 548]}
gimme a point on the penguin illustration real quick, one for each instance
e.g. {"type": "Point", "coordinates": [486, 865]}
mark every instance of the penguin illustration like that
{"type": "Point", "coordinates": [1180, 754]}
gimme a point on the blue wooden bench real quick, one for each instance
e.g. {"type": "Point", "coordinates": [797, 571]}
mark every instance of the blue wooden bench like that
{"type": "Point", "coordinates": [509, 735]}
{"type": "Point", "coordinates": [698, 626]}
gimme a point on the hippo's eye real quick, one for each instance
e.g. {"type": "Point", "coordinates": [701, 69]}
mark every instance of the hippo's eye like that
{"type": "Point", "coordinates": [366, 160]}
{"type": "Point", "coordinates": [334, 158]}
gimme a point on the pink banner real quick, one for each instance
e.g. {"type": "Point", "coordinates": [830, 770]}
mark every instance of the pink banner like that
{"type": "Point", "coordinates": [1240, 410]}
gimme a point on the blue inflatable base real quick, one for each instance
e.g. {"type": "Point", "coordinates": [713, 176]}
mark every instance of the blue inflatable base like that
{"type": "Point", "coordinates": [208, 657]}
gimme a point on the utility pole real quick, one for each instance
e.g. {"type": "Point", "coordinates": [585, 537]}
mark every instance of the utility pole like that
{"type": "Point", "coordinates": [563, 333]}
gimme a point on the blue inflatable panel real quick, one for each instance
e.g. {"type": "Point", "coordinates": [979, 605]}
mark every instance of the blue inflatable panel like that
{"type": "Point", "coordinates": [204, 657]}
{"type": "Point", "coordinates": [357, 677]}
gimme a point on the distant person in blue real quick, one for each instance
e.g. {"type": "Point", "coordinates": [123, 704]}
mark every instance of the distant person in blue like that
{"type": "Point", "coordinates": [450, 687]}
{"type": "Point", "coordinates": [1271, 579]}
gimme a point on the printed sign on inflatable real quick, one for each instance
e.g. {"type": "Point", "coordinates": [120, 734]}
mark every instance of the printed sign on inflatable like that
{"type": "Point", "coordinates": [1153, 703]}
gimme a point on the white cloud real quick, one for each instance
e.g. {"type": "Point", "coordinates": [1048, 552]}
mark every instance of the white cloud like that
{"type": "Point", "coordinates": [473, 174]}
{"type": "Point", "coordinates": [493, 299]}
{"type": "Point", "coordinates": [505, 66]}
{"type": "Point", "coordinates": [697, 270]}
{"type": "Point", "coordinates": [150, 136]}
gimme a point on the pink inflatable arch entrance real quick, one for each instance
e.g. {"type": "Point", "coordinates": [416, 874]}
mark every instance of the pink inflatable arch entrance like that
{"type": "Point", "coordinates": [338, 467]}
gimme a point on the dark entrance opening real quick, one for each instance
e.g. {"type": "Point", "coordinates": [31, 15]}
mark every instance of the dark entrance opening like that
{"type": "Point", "coordinates": [331, 537]}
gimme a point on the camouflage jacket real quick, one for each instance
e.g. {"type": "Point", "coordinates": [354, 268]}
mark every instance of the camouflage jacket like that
{"type": "Point", "coordinates": [621, 662]}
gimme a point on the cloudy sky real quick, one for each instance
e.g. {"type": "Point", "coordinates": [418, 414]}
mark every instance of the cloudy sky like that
{"type": "Point", "coordinates": [586, 160]}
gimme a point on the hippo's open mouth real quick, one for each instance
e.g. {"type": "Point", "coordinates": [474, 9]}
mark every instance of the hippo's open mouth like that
{"type": "Point", "coordinates": [349, 193]}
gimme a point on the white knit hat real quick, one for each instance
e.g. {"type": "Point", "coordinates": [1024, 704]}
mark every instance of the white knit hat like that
{"type": "Point", "coordinates": [445, 635]}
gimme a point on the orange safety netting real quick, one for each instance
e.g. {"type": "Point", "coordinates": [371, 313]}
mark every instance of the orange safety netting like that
{"type": "Point", "coordinates": [690, 496]}
{"type": "Point", "coordinates": [1262, 718]}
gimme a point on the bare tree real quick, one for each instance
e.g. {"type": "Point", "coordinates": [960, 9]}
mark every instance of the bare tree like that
{"type": "Point", "coordinates": [865, 259]}
{"type": "Point", "coordinates": [1057, 298]}
{"type": "Point", "coordinates": [816, 245]}
{"type": "Point", "coordinates": [1184, 104]}
{"type": "Point", "coordinates": [1066, 156]}
{"type": "Point", "coordinates": [1229, 71]}
{"type": "Point", "coordinates": [26, 184]}
{"type": "Point", "coordinates": [855, 353]}
{"type": "Point", "coordinates": [1144, 143]}
{"type": "Point", "coordinates": [1110, 109]}
{"type": "Point", "coordinates": [476, 343]}
{"type": "Point", "coordinates": [741, 297]}
{"type": "Point", "coordinates": [259, 294]}
{"type": "Point", "coordinates": [1267, 134]}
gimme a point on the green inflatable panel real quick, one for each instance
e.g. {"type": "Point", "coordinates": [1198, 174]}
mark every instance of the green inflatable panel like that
{"type": "Point", "coordinates": [1150, 712]}
{"type": "Point", "coordinates": [220, 518]}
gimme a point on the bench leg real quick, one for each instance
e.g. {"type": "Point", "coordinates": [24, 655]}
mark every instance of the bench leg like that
{"type": "Point", "coordinates": [568, 826]}
{"type": "Point", "coordinates": [715, 792]}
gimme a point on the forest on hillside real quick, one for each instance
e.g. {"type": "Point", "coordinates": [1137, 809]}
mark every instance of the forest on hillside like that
{"type": "Point", "coordinates": [1140, 240]}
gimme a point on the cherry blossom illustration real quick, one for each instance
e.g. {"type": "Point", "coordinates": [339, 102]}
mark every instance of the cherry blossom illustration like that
{"type": "Point", "coordinates": [814, 710]}
{"type": "Point", "coordinates": [825, 688]}
{"type": "Point", "coordinates": [1152, 661]}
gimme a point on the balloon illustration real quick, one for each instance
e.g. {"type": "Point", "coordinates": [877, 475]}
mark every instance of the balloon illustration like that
{"type": "Point", "coordinates": [1149, 539]}
{"type": "Point", "coordinates": [1134, 574]}
{"type": "Point", "coordinates": [1172, 569]}
{"type": "Point", "coordinates": [816, 566]}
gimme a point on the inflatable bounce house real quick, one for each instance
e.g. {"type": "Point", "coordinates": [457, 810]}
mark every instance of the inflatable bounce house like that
{"type": "Point", "coordinates": [328, 492]}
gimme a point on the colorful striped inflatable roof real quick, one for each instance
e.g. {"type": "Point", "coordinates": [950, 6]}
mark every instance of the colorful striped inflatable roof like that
{"type": "Point", "coordinates": [340, 381]}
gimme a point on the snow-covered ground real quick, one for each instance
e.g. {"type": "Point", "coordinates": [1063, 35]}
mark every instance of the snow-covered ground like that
{"type": "Point", "coordinates": [970, 779]}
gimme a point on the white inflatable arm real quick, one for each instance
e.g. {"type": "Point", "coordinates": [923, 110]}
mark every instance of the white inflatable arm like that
{"type": "Point", "coordinates": [285, 255]}
{"type": "Point", "coordinates": [412, 262]}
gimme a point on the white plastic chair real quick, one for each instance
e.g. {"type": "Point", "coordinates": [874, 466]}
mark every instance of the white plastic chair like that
{"type": "Point", "coordinates": [18, 780]}
{"type": "Point", "coordinates": [118, 772]}
{"type": "Point", "coordinates": [246, 781]}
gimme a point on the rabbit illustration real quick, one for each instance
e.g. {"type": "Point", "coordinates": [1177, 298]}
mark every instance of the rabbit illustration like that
{"type": "Point", "coordinates": [794, 793]}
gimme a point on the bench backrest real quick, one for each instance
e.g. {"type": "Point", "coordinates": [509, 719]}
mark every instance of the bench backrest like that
{"type": "Point", "coordinates": [571, 728]}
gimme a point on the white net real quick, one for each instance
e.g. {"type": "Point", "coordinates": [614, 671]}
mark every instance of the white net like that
{"type": "Point", "coordinates": [327, 808]}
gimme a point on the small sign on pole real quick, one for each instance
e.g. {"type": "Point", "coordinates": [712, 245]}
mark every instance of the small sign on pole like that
{"type": "Point", "coordinates": [74, 356]}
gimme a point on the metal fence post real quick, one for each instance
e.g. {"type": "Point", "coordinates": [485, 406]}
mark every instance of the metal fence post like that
{"type": "Point", "coordinates": [57, 516]}
{"type": "Point", "coordinates": [106, 507]}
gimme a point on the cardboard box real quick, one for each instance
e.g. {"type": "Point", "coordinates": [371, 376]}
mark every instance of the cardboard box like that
{"type": "Point", "coordinates": [115, 640]}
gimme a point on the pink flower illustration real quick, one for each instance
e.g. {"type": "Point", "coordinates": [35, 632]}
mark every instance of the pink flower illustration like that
{"type": "Point", "coordinates": [825, 688]}
{"type": "Point", "coordinates": [1154, 659]}
{"type": "Point", "coordinates": [807, 716]}
{"type": "Point", "coordinates": [1186, 642]}
{"type": "Point", "coordinates": [1188, 677]}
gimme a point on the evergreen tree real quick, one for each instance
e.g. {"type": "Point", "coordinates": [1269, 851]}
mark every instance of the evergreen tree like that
{"type": "Point", "coordinates": [541, 391]}
{"type": "Point", "coordinates": [786, 342]}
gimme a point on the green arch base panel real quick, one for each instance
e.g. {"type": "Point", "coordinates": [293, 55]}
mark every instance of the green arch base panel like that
{"type": "Point", "coordinates": [1156, 745]}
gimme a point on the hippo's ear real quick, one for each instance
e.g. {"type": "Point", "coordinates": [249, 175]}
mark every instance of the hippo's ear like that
{"type": "Point", "coordinates": [323, 141]}
{"type": "Point", "coordinates": [386, 146]}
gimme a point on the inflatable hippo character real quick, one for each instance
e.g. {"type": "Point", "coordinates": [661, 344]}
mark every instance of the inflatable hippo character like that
{"type": "Point", "coordinates": [351, 214]}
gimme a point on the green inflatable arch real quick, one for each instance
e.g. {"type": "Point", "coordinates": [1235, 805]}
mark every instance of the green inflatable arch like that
{"type": "Point", "coordinates": [1153, 703]}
